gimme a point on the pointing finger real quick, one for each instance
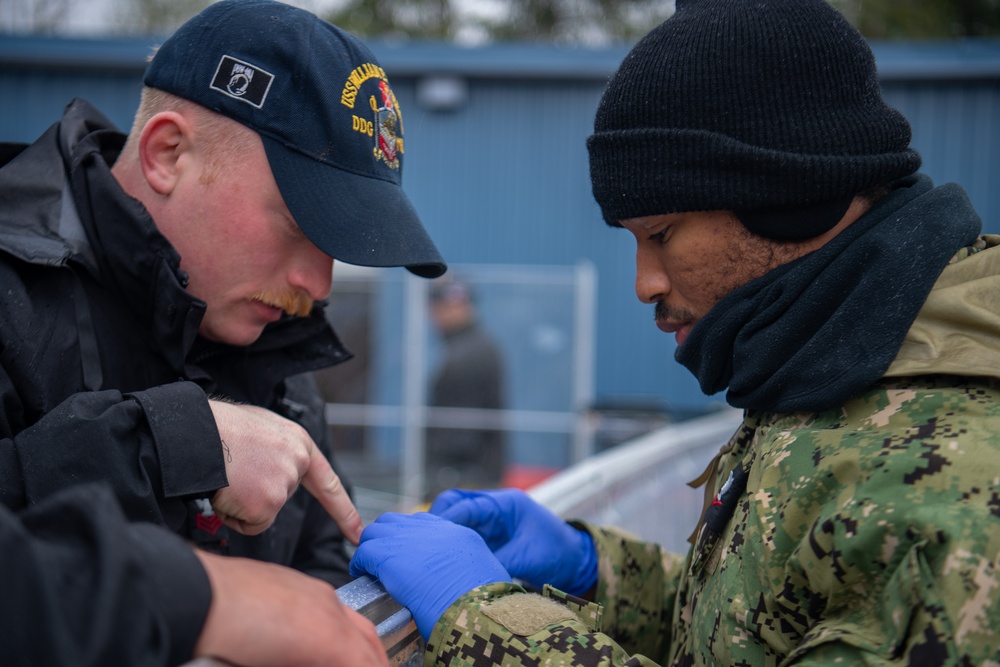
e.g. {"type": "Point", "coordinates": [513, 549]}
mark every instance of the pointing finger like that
{"type": "Point", "coordinates": [322, 482]}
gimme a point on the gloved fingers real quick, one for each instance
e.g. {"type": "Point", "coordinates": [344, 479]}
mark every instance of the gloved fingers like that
{"type": "Point", "coordinates": [392, 525]}
{"type": "Point", "coordinates": [536, 567]}
{"type": "Point", "coordinates": [398, 548]}
{"type": "Point", "coordinates": [446, 499]}
{"type": "Point", "coordinates": [487, 516]}
{"type": "Point", "coordinates": [472, 508]}
{"type": "Point", "coordinates": [512, 557]}
{"type": "Point", "coordinates": [399, 517]}
{"type": "Point", "coordinates": [367, 558]}
{"type": "Point", "coordinates": [387, 535]}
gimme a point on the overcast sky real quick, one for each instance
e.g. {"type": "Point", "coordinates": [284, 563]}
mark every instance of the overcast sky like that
{"type": "Point", "coordinates": [93, 17]}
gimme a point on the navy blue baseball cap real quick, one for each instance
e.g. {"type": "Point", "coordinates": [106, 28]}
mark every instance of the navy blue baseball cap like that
{"type": "Point", "coordinates": [330, 123]}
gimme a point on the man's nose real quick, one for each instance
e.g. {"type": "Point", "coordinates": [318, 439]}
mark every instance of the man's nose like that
{"type": "Point", "coordinates": [651, 283]}
{"type": "Point", "coordinates": [313, 274]}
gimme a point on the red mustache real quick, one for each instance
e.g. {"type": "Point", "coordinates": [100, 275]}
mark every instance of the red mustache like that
{"type": "Point", "coordinates": [293, 303]}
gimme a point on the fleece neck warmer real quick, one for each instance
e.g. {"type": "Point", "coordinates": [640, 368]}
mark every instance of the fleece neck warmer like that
{"type": "Point", "coordinates": [810, 334]}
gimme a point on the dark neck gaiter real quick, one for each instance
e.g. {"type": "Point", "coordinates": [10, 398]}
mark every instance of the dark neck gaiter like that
{"type": "Point", "coordinates": [812, 333]}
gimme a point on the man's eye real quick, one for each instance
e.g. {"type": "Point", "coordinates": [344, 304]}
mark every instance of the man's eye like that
{"type": "Point", "coordinates": [659, 236]}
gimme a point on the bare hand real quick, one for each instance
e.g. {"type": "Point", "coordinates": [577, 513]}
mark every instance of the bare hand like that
{"type": "Point", "coordinates": [264, 614]}
{"type": "Point", "coordinates": [267, 457]}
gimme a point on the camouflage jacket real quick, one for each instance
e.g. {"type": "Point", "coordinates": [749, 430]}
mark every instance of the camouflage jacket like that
{"type": "Point", "coordinates": [865, 535]}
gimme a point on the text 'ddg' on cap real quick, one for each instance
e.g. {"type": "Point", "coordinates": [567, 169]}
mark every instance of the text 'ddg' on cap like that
{"type": "Point", "coordinates": [329, 121]}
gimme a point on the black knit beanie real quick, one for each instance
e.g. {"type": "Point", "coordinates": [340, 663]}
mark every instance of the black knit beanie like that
{"type": "Point", "coordinates": [769, 108]}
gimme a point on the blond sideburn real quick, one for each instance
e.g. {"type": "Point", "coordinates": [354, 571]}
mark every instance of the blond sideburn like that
{"type": "Point", "coordinates": [222, 139]}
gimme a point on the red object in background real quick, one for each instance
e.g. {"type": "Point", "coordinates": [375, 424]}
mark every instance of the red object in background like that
{"type": "Point", "coordinates": [525, 476]}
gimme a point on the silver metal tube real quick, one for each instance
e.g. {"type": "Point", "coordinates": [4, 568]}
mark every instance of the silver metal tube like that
{"type": "Point", "coordinates": [394, 623]}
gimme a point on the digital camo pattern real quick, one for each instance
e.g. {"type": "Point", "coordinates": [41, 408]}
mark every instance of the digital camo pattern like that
{"type": "Point", "coordinates": [467, 636]}
{"type": "Point", "coordinates": [636, 585]}
{"type": "Point", "coordinates": [866, 535]}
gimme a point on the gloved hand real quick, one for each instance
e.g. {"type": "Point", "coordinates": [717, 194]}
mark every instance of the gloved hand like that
{"type": "Point", "coordinates": [425, 563]}
{"type": "Point", "coordinates": [531, 542]}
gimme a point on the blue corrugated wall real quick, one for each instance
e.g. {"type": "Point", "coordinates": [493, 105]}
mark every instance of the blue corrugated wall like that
{"type": "Point", "coordinates": [503, 178]}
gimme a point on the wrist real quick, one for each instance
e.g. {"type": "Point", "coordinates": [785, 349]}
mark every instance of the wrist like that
{"type": "Point", "coordinates": [209, 641]}
{"type": "Point", "coordinates": [585, 577]}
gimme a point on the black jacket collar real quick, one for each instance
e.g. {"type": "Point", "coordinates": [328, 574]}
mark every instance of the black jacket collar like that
{"type": "Point", "coordinates": [103, 231]}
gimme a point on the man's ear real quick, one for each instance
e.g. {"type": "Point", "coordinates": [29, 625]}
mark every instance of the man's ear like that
{"type": "Point", "coordinates": [163, 143]}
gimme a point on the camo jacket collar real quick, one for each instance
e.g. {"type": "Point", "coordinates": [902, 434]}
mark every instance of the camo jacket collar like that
{"type": "Point", "coordinates": [957, 331]}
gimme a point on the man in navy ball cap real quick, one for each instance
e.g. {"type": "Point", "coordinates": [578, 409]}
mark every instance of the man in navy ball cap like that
{"type": "Point", "coordinates": [331, 127]}
{"type": "Point", "coordinates": [162, 307]}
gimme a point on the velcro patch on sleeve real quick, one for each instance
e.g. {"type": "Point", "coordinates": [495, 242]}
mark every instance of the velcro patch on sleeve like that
{"type": "Point", "coordinates": [526, 613]}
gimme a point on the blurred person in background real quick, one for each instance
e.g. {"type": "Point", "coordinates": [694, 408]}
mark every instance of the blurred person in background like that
{"type": "Point", "coordinates": [469, 375]}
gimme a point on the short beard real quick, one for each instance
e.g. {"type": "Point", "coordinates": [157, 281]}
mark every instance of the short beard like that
{"type": "Point", "coordinates": [751, 256]}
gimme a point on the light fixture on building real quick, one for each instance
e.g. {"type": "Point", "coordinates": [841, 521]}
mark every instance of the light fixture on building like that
{"type": "Point", "coordinates": [442, 93]}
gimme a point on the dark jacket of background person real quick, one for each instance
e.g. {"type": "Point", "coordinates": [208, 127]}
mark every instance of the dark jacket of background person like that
{"type": "Point", "coordinates": [102, 374]}
{"type": "Point", "coordinates": [470, 376]}
{"type": "Point", "coordinates": [70, 564]}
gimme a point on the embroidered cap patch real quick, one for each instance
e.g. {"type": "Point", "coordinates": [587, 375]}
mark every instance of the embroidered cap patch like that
{"type": "Point", "coordinates": [242, 81]}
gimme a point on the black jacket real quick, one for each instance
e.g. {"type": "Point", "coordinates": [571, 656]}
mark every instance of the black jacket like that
{"type": "Point", "coordinates": [102, 374]}
{"type": "Point", "coordinates": [84, 588]}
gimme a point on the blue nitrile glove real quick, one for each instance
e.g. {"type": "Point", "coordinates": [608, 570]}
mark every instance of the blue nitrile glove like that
{"type": "Point", "coordinates": [531, 542]}
{"type": "Point", "coordinates": [425, 563]}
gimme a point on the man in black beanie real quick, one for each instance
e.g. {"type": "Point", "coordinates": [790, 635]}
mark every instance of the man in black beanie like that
{"type": "Point", "coordinates": [838, 297]}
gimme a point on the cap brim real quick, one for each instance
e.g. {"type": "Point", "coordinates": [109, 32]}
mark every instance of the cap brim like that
{"type": "Point", "coordinates": [354, 219]}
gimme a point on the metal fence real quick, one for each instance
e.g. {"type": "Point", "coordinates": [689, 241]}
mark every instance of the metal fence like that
{"type": "Point", "coordinates": [542, 318]}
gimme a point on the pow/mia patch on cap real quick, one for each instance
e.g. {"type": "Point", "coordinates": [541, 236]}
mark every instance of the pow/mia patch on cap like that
{"type": "Point", "coordinates": [242, 81]}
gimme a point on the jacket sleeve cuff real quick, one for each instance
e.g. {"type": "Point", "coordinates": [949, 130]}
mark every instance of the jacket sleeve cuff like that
{"type": "Point", "coordinates": [186, 438]}
{"type": "Point", "coordinates": [637, 585]}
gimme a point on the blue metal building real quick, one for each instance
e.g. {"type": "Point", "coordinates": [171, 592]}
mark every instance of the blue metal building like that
{"type": "Point", "coordinates": [497, 166]}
